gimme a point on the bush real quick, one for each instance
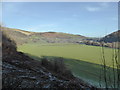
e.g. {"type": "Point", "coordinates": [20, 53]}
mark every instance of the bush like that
{"type": "Point", "coordinates": [57, 65]}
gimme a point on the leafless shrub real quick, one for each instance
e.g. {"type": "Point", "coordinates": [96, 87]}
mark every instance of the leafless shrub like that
{"type": "Point", "coordinates": [57, 65]}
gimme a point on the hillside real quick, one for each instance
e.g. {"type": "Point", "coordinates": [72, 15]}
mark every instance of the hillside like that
{"type": "Point", "coordinates": [20, 71]}
{"type": "Point", "coordinates": [15, 35]}
{"type": "Point", "coordinates": [24, 37]}
{"type": "Point", "coordinates": [113, 37]}
{"type": "Point", "coordinates": [21, 36]}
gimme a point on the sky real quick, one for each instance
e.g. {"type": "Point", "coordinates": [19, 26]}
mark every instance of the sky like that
{"type": "Point", "coordinates": [91, 19]}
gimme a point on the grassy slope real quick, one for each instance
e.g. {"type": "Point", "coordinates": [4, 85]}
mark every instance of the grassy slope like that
{"type": "Point", "coordinates": [83, 60]}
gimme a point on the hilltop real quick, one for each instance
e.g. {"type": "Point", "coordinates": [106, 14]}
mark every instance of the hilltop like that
{"type": "Point", "coordinates": [113, 37]}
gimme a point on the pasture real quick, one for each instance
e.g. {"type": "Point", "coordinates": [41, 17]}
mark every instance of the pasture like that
{"type": "Point", "coordinates": [83, 60]}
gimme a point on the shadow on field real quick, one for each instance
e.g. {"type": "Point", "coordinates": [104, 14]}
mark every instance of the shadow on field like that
{"type": "Point", "coordinates": [90, 72]}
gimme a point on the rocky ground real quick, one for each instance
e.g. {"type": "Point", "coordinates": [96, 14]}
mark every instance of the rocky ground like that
{"type": "Point", "coordinates": [25, 73]}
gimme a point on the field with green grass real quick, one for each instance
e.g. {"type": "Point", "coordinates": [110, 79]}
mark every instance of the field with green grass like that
{"type": "Point", "coordinates": [83, 60]}
{"type": "Point", "coordinates": [86, 53]}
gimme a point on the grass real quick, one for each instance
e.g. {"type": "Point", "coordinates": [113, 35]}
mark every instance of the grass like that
{"type": "Point", "coordinates": [73, 51]}
{"type": "Point", "coordinates": [83, 60]}
{"type": "Point", "coordinates": [86, 71]}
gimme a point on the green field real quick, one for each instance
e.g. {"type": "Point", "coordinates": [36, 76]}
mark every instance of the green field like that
{"type": "Point", "coordinates": [83, 60]}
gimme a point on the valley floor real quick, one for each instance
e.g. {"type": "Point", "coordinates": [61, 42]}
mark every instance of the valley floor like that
{"type": "Point", "coordinates": [83, 60]}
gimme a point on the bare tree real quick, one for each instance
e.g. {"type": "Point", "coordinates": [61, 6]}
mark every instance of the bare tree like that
{"type": "Point", "coordinates": [111, 78]}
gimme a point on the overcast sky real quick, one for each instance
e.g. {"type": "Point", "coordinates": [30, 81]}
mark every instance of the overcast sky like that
{"type": "Point", "coordinates": [85, 18]}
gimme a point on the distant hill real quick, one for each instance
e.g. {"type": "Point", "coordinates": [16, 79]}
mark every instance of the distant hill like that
{"type": "Point", "coordinates": [113, 37]}
{"type": "Point", "coordinates": [21, 36]}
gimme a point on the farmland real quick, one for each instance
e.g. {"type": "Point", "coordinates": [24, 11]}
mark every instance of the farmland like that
{"type": "Point", "coordinates": [86, 53]}
{"type": "Point", "coordinates": [83, 60]}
